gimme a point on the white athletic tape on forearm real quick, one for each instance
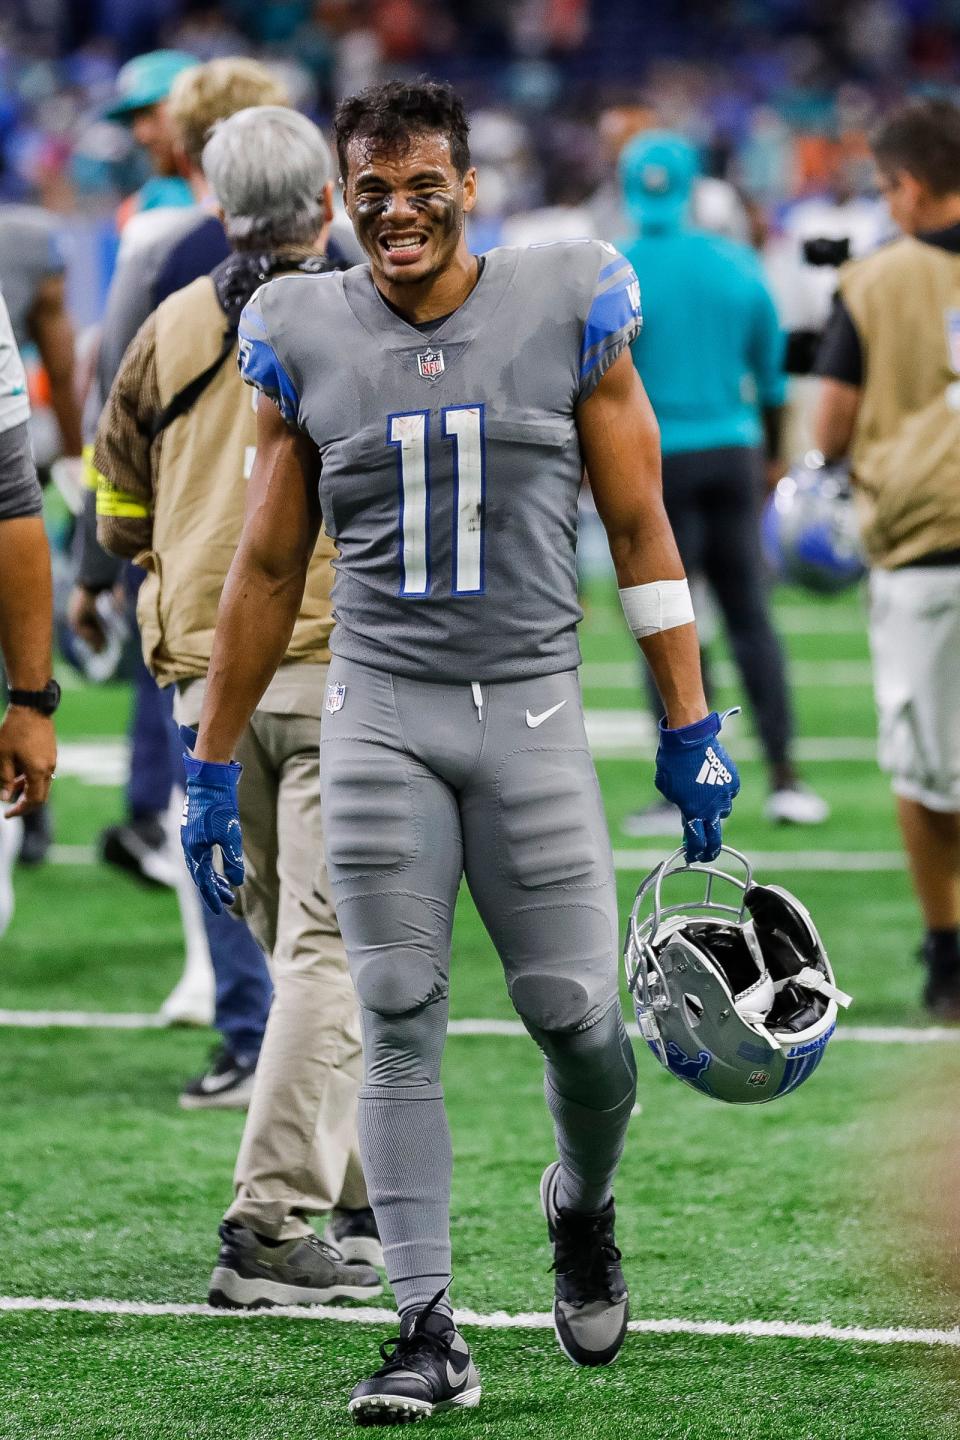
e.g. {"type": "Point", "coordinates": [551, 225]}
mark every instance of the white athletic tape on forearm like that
{"type": "Point", "coordinates": [661, 605]}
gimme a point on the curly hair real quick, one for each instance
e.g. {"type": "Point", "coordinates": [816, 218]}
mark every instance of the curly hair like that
{"type": "Point", "coordinates": [391, 114]}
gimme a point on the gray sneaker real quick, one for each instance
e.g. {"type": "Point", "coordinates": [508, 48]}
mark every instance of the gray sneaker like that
{"type": "Point", "coordinates": [252, 1275]}
{"type": "Point", "coordinates": [591, 1307]}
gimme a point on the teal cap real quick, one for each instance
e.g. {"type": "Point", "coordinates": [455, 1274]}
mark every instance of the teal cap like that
{"type": "Point", "coordinates": [657, 172]}
{"type": "Point", "coordinates": [146, 80]}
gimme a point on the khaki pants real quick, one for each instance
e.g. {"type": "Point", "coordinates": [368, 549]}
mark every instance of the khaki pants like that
{"type": "Point", "coordinates": [298, 1155]}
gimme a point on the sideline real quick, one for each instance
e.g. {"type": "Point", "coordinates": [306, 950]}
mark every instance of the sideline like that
{"type": "Point", "coordinates": [130, 1020]}
{"type": "Point", "coordinates": [498, 1320]}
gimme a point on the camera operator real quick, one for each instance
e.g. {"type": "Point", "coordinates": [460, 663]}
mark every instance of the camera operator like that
{"type": "Point", "coordinates": [890, 398]}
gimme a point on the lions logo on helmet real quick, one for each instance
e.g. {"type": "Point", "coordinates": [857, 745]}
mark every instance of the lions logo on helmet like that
{"type": "Point", "coordinates": [810, 531]}
{"type": "Point", "coordinates": [735, 997]}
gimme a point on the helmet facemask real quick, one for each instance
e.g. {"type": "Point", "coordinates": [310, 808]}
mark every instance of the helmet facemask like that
{"type": "Point", "coordinates": [736, 999]}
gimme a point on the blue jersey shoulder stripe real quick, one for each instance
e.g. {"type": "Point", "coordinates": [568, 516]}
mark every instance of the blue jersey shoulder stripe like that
{"type": "Point", "coordinates": [621, 263]}
{"type": "Point", "coordinates": [609, 314]}
{"type": "Point", "coordinates": [260, 367]}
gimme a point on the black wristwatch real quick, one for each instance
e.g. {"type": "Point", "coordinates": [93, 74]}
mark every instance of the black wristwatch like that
{"type": "Point", "coordinates": [45, 700]}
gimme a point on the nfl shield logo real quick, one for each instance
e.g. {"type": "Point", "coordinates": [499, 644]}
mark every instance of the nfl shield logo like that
{"type": "Point", "coordinates": [759, 1077]}
{"type": "Point", "coordinates": [335, 698]}
{"type": "Point", "coordinates": [430, 364]}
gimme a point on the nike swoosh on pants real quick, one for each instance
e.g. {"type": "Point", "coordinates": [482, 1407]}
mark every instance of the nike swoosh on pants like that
{"type": "Point", "coordinates": [534, 720]}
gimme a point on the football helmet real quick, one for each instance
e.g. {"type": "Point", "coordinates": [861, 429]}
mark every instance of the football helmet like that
{"type": "Point", "coordinates": [810, 531]}
{"type": "Point", "coordinates": [734, 993]}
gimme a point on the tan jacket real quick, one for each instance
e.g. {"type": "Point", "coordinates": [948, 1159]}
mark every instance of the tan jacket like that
{"type": "Point", "coordinates": [176, 504]}
{"type": "Point", "coordinates": [905, 455]}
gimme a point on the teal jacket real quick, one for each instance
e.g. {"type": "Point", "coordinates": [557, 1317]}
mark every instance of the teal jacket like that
{"type": "Point", "coordinates": [711, 350]}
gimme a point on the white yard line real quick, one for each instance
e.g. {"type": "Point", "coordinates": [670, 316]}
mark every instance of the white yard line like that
{"type": "Point", "coordinates": [816, 620]}
{"type": "Point", "coordinates": [631, 733]}
{"type": "Point", "coordinates": [832, 674]}
{"type": "Point", "coordinates": [612, 733]}
{"type": "Point", "coordinates": [861, 1034]}
{"type": "Point", "coordinates": [95, 762]}
{"type": "Point", "coordinates": [861, 861]}
{"type": "Point", "coordinates": [81, 1020]}
{"type": "Point", "coordinates": [131, 1020]}
{"type": "Point", "coordinates": [498, 1320]}
{"type": "Point", "coordinates": [73, 855]}
{"type": "Point", "coordinates": [637, 860]}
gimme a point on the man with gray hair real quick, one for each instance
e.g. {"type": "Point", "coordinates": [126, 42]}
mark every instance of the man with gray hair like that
{"type": "Point", "coordinates": [174, 449]}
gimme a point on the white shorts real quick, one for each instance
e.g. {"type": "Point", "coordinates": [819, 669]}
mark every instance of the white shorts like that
{"type": "Point", "coordinates": [915, 641]}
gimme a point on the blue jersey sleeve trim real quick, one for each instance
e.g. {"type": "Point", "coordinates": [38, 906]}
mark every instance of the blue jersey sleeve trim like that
{"type": "Point", "coordinates": [260, 367]}
{"type": "Point", "coordinates": [610, 313]}
{"type": "Point", "coordinates": [252, 320]}
{"type": "Point", "coordinates": [620, 263]}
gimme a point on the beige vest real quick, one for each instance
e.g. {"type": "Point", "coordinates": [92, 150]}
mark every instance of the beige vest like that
{"type": "Point", "coordinates": [199, 495]}
{"type": "Point", "coordinates": [905, 454]}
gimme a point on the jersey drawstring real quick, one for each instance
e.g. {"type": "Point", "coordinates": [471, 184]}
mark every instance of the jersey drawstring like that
{"type": "Point", "coordinates": [477, 698]}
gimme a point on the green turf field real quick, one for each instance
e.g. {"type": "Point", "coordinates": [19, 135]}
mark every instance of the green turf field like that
{"type": "Point", "coordinates": [835, 1207]}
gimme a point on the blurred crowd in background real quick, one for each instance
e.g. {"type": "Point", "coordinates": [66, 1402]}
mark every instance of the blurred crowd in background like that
{"type": "Point", "coordinates": [778, 94]}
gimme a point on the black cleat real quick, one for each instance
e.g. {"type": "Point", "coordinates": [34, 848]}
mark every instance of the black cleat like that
{"type": "Point", "coordinates": [253, 1275]}
{"type": "Point", "coordinates": [941, 993]}
{"type": "Point", "coordinates": [427, 1368]}
{"type": "Point", "coordinates": [226, 1084]}
{"type": "Point", "coordinates": [354, 1233]}
{"type": "Point", "coordinates": [591, 1307]}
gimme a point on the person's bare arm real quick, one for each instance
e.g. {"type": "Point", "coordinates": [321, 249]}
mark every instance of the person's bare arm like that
{"type": "Point", "coordinates": [620, 442]}
{"type": "Point", "coordinates": [52, 330]}
{"type": "Point", "coordinates": [264, 587]}
{"type": "Point", "coordinates": [28, 750]}
{"type": "Point", "coordinates": [835, 417]}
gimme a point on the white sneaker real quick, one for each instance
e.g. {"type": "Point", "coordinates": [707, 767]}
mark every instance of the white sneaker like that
{"type": "Point", "coordinates": [796, 805]}
{"type": "Point", "coordinates": [11, 834]}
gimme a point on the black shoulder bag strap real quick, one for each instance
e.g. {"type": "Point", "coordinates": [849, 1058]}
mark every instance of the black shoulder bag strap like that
{"type": "Point", "coordinates": [186, 398]}
{"type": "Point", "coordinates": [235, 280]}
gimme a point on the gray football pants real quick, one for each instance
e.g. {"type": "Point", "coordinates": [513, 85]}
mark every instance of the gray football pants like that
{"type": "Point", "coordinates": [422, 783]}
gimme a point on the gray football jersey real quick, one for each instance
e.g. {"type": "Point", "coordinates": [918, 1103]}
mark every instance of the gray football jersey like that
{"type": "Point", "coordinates": [450, 462]}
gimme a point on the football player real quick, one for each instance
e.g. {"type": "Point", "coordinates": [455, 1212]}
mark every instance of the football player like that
{"type": "Point", "coordinates": [28, 748]}
{"type": "Point", "coordinates": [436, 409]}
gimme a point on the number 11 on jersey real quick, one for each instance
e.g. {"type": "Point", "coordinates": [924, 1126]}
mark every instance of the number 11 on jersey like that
{"type": "Point", "coordinates": [462, 425]}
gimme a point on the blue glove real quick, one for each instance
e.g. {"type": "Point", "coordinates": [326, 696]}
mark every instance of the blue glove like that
{"type": "Point", "coordinates": [696, 774]}
{"type": "Point", "coordinates": [211, 817]}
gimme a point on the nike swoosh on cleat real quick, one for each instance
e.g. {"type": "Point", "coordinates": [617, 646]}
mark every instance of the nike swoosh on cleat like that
{"type": "Point", "coordinates": [534, 720]}
{"type": "Point", "coordinates": [457, 1377]}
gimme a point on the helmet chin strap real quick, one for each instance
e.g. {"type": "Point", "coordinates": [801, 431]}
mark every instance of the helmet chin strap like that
{"type": "Point", "coordinates": [810, 979]}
